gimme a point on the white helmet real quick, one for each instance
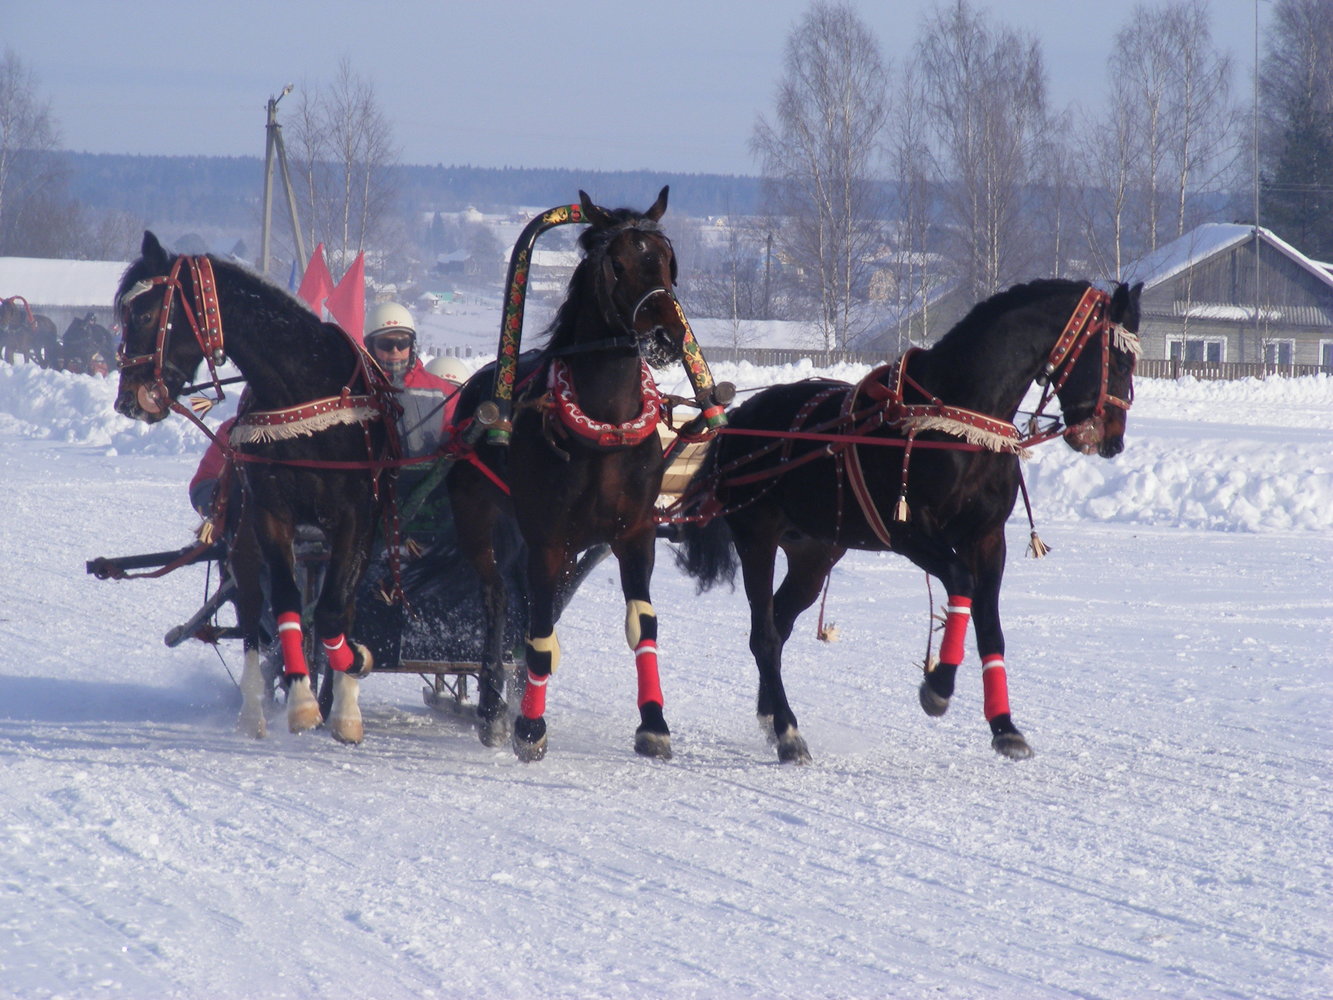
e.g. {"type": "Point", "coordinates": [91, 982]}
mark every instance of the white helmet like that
{"type": "Point", "coordinates": [388, 317]}
{"type": "Point", "coordinates": [450, 369]}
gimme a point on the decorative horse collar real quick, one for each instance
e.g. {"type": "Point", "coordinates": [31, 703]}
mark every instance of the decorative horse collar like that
{"type": "Point", "coordinates": [601, 434]}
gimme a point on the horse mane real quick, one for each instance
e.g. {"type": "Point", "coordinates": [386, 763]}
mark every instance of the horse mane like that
{"type": "Point", "coordinates": [982, 316]}
{"type": "Point", "coordinates": [594, 242]}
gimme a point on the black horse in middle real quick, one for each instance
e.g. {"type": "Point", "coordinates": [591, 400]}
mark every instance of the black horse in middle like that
{"type": "Point", "coordinates": [583, 467]}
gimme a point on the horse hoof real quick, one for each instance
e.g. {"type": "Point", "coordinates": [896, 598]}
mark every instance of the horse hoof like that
{"type": "Point", "coordinates": [363, 661]}
{"type": "Point", "coordinates": [302, 706]}
{"type": "Point", "coordinates": [253, 725]}
{"type": "Point", "coordinates": [494, 732]}
{"type": "Point", "coordinates": [1011, 745]}
{"type": "Point", "coordinates": [347, 729]}
{"type": "Point", "coordinates": [792, 748]}
{"type": "Point", "coordinates": [529, 740]}
{"type": "Point", "coordinates": [345, 716]}
{"type": "Point", "coordinates": [650, 744]}
{"type": "Point", "coordinates": [931, 702]}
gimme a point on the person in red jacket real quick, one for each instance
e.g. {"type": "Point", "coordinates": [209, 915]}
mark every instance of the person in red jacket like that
{"type": "Point", "coordinates": [427, 400]}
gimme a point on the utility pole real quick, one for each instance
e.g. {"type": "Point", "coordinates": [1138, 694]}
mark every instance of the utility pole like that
{"type": "Point", "coordinates": [274, 146]}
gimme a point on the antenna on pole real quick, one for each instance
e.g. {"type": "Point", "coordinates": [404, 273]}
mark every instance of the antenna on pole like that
{"type": "Point", "coordinates": [274, 146]}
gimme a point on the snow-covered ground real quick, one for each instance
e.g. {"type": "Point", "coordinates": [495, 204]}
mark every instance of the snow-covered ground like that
{"type": "Point", "coordinates": [1169, 661]}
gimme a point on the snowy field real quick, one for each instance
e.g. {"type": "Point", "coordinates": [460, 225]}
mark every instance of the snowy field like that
{"type": "Point", "coordinates": [1169, 661]}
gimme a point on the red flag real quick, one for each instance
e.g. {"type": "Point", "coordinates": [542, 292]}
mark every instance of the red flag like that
{"type": "Point", "coordinates": [317, 285]}
{"type": "Point", "coordinates": [347, 302]}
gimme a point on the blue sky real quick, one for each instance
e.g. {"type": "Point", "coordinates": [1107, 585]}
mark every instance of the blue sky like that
{"type": "Point", "coordinates": [584, 84]}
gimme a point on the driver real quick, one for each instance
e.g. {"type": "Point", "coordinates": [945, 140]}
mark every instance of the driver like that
{"type": "Point", "coordinates": [427, 400]}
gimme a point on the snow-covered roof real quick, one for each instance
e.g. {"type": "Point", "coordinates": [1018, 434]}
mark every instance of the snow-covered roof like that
{"type": "Point", "coordinates": [1203, 242]}
{"type": "Point", "coordinates": [61, 283]}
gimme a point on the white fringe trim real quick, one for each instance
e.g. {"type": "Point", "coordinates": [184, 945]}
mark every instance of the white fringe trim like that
{"type": "Point", "coordinates": [243, 433]}
{"type": "Point", "coordinates": [989, 440]}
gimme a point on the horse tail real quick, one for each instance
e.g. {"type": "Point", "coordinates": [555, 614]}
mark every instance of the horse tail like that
{"type": "Point", "coordinates": [707, 554]}
{"type": "Point", "coordinates": [706, 551]}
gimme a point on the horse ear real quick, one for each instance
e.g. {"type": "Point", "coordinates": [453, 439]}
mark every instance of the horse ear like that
{"type": "Point", "coordinates": [659, 206]}
{"type": "Point", "coordinates": [1136, 291]}
{"type": "Point", "coordinates": [595, 214]}
{"type": "Point", "coordinates": [151, 250]}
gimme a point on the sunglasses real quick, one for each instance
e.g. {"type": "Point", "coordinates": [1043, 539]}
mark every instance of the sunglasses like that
{"type": "Point", "coordinates": [390, 344]}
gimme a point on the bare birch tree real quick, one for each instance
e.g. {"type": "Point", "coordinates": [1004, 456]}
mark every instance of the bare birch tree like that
{"type": "Point", "coordinates": [910, 166]}
{"type": "Point", "coordinates": [1203, 147]}
{"type": "Point", "coordinates": [33, 206]}
{"type": "Point", "coordinates": [985, 89]}
{"type": "Point", "coordinates": [819, 158]}
{"type": "Point", "coordinates": [343, 149]}
{"type": "Point", "coordinates": [1171, 87]}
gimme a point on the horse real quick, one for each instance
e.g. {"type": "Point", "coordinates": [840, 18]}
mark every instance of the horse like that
{"type": "Point", "coordinates": [24, 332]}
{"type": "Point", "coordinates": [86, 346]}
{"type": "Point", "coordinates": [313, 443]}
{"type": "Point", "coordinates": [583, 466]}
{"type": "Point", "coordinates": [920, 458]}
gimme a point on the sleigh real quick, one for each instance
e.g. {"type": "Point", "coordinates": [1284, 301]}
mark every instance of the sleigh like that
{"type": "Point", "coordinates": [435, 632]}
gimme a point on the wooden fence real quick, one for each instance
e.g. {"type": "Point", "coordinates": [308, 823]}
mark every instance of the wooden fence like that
{"type": "Point", "coordinates": [1154, 368]}
{"type": "Point", "coordinates": [1214, 371]}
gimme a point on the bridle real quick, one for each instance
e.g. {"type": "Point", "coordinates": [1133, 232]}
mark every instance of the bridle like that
{"type": "Point", "coordinates": [628, 337]}
{"type": "Point", "coordinates": [1088, 321]}
{"type": "Point", "coordinates": [204, 317]}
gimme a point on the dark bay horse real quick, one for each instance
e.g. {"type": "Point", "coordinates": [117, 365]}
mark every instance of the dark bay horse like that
{"type": "Point", "coordinates": [25, 332]}
{"type": "Point", "coordinates": [938, 490]}
{"type": "Point", "coordinates": [311, 445]}
{"type": "Point", "coordinates": [583, 466]}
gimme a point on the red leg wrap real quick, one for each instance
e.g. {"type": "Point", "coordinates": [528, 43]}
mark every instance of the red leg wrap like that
{"type": "Point", "coordinates": [289, 634]}
{"type": "Point", "coordinates": [958, 612]}
{"type": "Point", "coordinates": [994, 686]}
{"type": "Point", "coordinates": [534, 696]}
{"type": "Point", "coordinates": [339, 653]}
{"type": "Point", "coordinates": [645, 662]}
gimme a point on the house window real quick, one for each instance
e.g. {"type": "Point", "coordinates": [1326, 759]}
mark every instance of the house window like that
{"type": "Point", "coordinates": [1326, 354]}
{"type": "Point", "coordinates": [1279, 352]}
{"type": "Point", "coordinates": [1197, 349]}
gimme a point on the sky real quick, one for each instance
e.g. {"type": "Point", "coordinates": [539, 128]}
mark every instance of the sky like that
{"type": "Point", "coordinates": [581, 84]}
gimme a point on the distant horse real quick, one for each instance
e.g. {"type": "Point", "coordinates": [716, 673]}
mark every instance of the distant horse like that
{"type": "Point", "coordinates": [920, 458]}
{"type": "Point", "coordinates": [24, 332]}
{"type": "Point", "coordinates": [86, 348]}
{"type": "Point", "coordinates": [584, 466]}
{"type": "Point", "coordinates": [312, 446]}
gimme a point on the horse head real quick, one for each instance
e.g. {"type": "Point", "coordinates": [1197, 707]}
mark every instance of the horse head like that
{"type": "Point", "coordinates": [156, 357]}
{"type": "Point", "coordinates": [629, 270]}
{"type": "Point", "coordinates": [1096, 396]}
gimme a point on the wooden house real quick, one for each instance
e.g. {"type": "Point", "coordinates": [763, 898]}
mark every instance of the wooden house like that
{"type": "Point", "coordinates": [1226, 294]}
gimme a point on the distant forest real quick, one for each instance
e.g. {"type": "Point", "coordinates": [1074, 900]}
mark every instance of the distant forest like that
{"type": "Point", "coordinates": [226, 191]}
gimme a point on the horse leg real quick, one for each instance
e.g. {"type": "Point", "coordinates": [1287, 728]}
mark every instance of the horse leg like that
{"type": "Point", "coordinates": [809, 562]}
{"type": "Point", "coordinates": [475, 515]}
{"type": "Point", "coordinates": [275, 541]}
{"type": "Point", "coordinates": [635, 555]}
{"type": "Point", "coordinates": [989, 558]}
{"type": "Point", "coordinates": [941, 562]}
{"type": "Point", "coordinates": [333, 613]}
{"type": "Point", "coordinates": [246, 567]}
{"type": "Point", "coordinates": [541, 652]}
{"type": "Point", "coordinates": [757, 548]}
